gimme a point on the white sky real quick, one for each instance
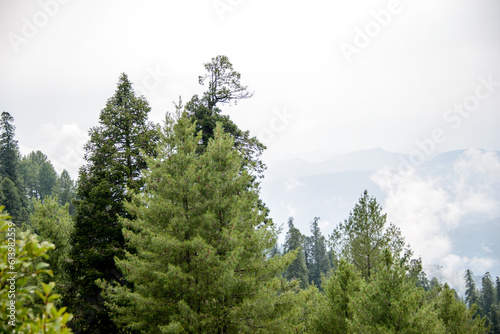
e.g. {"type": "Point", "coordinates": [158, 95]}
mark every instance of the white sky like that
{"type": "Point", "coordinates": [56, 78]}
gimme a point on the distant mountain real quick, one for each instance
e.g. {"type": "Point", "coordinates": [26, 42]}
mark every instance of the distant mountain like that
{"type": "Point", "coordinates": [329, 189]}
{"type": "Point", "coordinates": [365, 160]}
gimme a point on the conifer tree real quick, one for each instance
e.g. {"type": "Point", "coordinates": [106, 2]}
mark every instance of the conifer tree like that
{"type": "Point", "coordinates": [318, 260]}
{"type": "Point", "coordinates": [455, 315]}
{"type": "Point", "coordinates": [333, 312]}
{"type": "Point", "coordinates": [13, 193]}
{"type": "Point", "coordinates": [9, 149]}
{"type": "Point", "coordinates": [390, 302]}
{"type": "Point", "coordinates": [200, 263]}
{"type": "Point", "coordinates": [115, 158]}
{"type": "Point", "coordinates": [363, 237]}
{"type": "Point", "coordinates": [294, 242]}
{"type": "Point", "coordinates": [64, 189]}
{"type": "Point", "coordinates": [12, 200]}
{"type": "Point", "coordinates": [224, 87]}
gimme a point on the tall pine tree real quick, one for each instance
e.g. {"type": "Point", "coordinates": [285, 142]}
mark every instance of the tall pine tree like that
{"type": "Point", "coordinates": [14, 194]}
{"type": "Point", "coordinates": [318, 262]}
{"type": "Point", "coordinates": [115, 158]}
{"type": "Point", "coordinates": [294, 242]}
{"type": "Point", "coordinates": [200, 264]}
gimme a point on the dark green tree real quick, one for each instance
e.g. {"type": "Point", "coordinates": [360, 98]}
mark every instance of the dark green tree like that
{"type": "Point", "coordinates": [200, 246]}
{"type": "Point", "coordinates": [12, 200]}
{"type": "Point", "coordinates": [471, 295]}
{"type": "Point", "coordinates": [224, 87]}
{"type": "Point", "coordinates": [333, 313]}
{"type": "Point", "coordinates": [9, 149]}
{"type": "Point", "coordinates": [362, 238]}
{"type": "Point", "coordinates": [9, 169]}
{"type": "Point", "coordinates": [64, 189]}
{"type": "Point", "coordinates": [294, 242]}
{"type": "Point", "coordinates": [115, 157]}
{"type": "Point", "coordinates": [487, 299]}
{"type": "Point", "coordinates": [318, 262]}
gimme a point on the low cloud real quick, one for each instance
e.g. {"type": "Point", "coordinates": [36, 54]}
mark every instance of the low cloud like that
{"type": "Point", "coordinates": [428, 208]}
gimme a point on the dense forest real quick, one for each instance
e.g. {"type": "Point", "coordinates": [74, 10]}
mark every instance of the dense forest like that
{"type": "Point", "coordinates": [164, 232]}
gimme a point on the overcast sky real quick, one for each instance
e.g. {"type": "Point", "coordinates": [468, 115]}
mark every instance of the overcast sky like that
{"type": "Point", "coordinates": [327, 76]}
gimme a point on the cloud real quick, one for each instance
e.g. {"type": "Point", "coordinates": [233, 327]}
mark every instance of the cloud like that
{"type": "Point", "coordinates": [293, 183]}
{"type": "Point", "coordinates": [428, 209]}
{"type": "Point", "coordinates": [64, 146]}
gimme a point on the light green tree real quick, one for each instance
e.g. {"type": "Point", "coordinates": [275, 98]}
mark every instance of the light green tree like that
{"type": "Point", "coordinates": [52, 223]}
{"type": "Point", "coordinates": [199, 263]}
{"type": "Point", "coordinates": [455, 315]}
{"type": "Point", "coordinates": [363, 237]}
{"type": "Point", "coordinates": [390, 302]}
{"type": "Point", "coordinates": [22, 261]}
{"type": "Point", "coordinates": [333, 310]}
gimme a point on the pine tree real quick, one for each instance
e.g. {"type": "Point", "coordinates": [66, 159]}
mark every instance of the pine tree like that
{"type": "Point", "coordinates": [391, 303]}
{"type": "Point", "coordinates": [294, 242]}
{"type": "Point", "coordinates": [333, 312]}
{"type": "Point", "coordinates": [455, 315]}
{"type": "Point", "coordinates": [363, 237]}
{"type": "Point", "coordinates": [115, 158]}
{"type": "Point", "coordinates": [16, 201]}
{"type": "Point", "coordinates": [64, 189]}
{"type": "Point", "coordinates": [9, 149]}
{"type": "Point", "coordinates": [201, 246]}
{"type": "Point", "coordinates": [224, 87]}
{"type": "Point", "coordinates": [319, 263]}
{"type": "Point", "coordinates": [12, 200]}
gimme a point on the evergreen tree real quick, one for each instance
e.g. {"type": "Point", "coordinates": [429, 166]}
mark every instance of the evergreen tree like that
{"type": "Point", "coordinates": [319, 263]}
{"type": "Point", "coordinates": [64, 189]}
{"type": "Point", "coordinates": [200, 246]}
{"type": "Point", "coordinates": [333, 312]}
{"type": "Point", "coordinates": [9, 149]}
{"type": "Point", "coordinates": [16, 201]}
{"type": "Point", "coordinates": [224, 87]}
{"type": "Point", "coordinates": [487, 300]}
{"type": "Point", "coordinates": [455, 315]}
{"type": "Point", "coordinates": [12, 200]}
{"type": "Point", "coordinates": [497, 290]}
{"type": "Point", "coordinates": [471, 295]}
{"type": "Point", "coordinates": [294, 242]}
{"type": "Point", "coordinates": [115, 158]}
{"type": "Point", "coordinates": [391, 303]}
{"type": "Point", "coordinates": [363, 237]}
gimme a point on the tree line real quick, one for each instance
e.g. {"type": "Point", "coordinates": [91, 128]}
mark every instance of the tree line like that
{"type": "Point", "coordinates": [165, 232]}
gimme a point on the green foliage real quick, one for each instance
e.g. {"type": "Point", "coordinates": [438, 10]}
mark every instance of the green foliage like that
{"type": "Point", "coordinates": [22, 263]}
{"type": "Point", "coordinates": [363, 237]}
{"type": "Point", "coordinates": [224, 87]}
{"type": "Point", "coordinates": [200, 243]}
{"type": "Point", "coordinates": [64, 189]}
{"type": "Point", "coordinates": [318, 262]}
{"type": "Point", "coordinates": [333, 312]}
{"type": "Point", "coordinates": [9, 149]}
{"type": "Point", "coordinates": [38, 174]}
{"type": "Point", "coordinates": [223, 83]}
{"type": "Point", "coordinates": [391, 303]}
{"type": "Point", "coordinates": [294, 242]}
{"type": "Point", "coordinates": [53, 223]}
{"type": "Point", "coordinates": [12, 200]}
{"type": "Point", "coordinates": [115, 156]}
{"type": "Point", "coordinates": [455, 315]}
